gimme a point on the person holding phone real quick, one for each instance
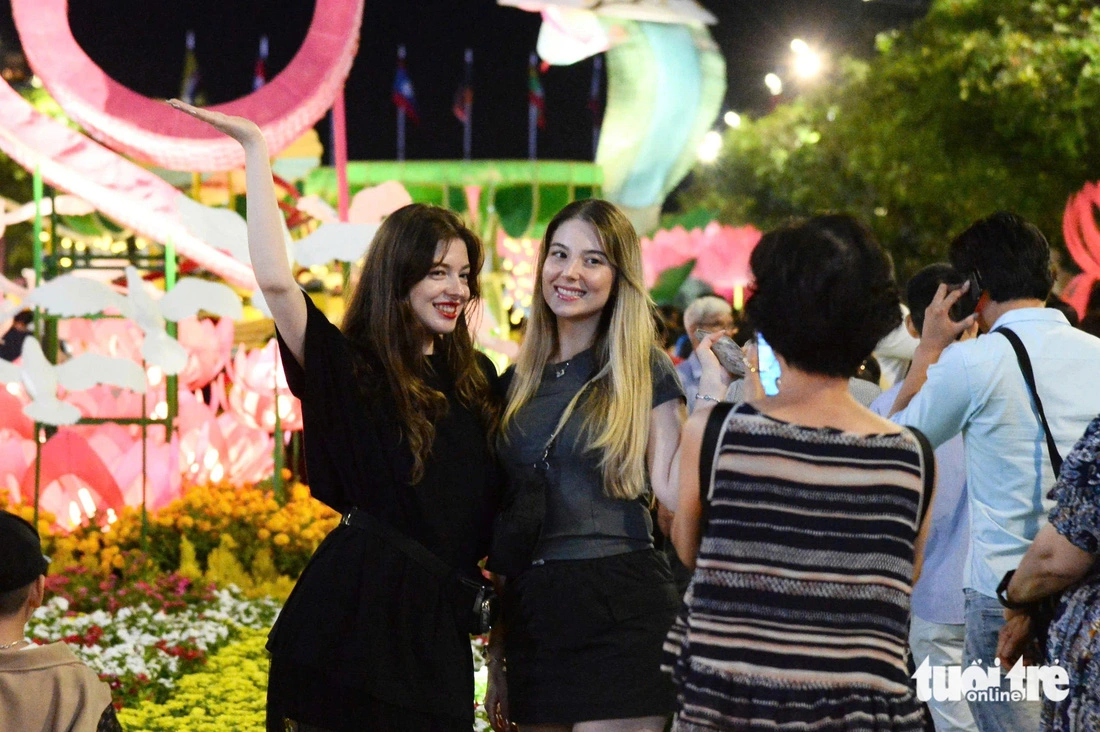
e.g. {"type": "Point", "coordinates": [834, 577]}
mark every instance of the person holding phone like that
{"type": "Point", "coordinates": [803, 515]}
{"type": "Point", "coordinates": [399, 411]}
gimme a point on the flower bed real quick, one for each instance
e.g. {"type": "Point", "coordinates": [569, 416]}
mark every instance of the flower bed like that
{"type": "Point", "coordinates": [228, 694]}
{"type": "Point", "coordinates": [141, 649]}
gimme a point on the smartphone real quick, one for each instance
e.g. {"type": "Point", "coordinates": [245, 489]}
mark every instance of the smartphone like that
{"type": "Point", "coordinates": [770, 371]}
{"type": "Point", "coordinates": [968, 303]}
{"type": "Point", "coordinates": [729, 353]}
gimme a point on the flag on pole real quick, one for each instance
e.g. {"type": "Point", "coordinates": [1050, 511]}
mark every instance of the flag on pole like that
{"type": "Point", "coordinates": [594, 103]}
{"type": "Point", "coordinates": [464, 95]}
{"type": "Point", "coordinates": [404, 97]}
{"type": "Point", "coordinates": [189, 85]}
{"type": "Point", "coordinates": [259, 78]}
{"type": "Point", "coordinates": [464, 104]}
{"type": "Point", "coordinates": [536, 97]}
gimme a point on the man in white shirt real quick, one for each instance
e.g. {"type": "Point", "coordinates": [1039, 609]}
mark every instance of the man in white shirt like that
{"type": "Point", "coordinates": [976, 388]}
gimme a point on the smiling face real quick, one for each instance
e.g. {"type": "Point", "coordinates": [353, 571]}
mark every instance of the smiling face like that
{"type": "Point", "coordinates": [577, 277]}
{"type": "Point", "coordinates": [437, 300]}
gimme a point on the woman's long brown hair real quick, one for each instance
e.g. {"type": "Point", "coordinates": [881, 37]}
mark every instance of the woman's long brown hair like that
{"type": "Point", "coordinates": [388, 338]}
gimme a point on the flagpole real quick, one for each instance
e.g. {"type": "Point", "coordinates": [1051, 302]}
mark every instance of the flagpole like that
{"type": "Point", "coordinates": [340, 154]}
{"type": "Point", "coordinates": [400, 114]}
{"type": "Point", "coordinates": [532, 117]}
{"type": "Point", "coordinates": [468, 107]}
{"type": "Point", "coordinates": [594, 101]}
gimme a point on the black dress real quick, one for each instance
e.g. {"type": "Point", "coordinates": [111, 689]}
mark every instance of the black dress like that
{"type": "Point", "coordinates": [369, 639]}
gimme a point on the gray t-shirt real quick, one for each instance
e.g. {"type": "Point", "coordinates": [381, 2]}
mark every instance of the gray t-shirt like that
{"type": "Point", "coordinates": [581, 521]}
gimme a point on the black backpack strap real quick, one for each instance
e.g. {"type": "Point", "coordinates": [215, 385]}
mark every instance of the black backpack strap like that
{"type": "Point", "coordinates": [1029, 377]}
{"type": "Point", "coordinates": [928, 463]}
{"type": "Point", "coordinates": [708, 451]}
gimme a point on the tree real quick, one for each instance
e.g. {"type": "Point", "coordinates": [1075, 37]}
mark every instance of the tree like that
{"type": "Point", "coordinates": [981, 105]}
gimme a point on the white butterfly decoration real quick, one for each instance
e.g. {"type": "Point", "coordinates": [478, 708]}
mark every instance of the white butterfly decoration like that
{"type": "Point", "coordinates": [41, 378]}
{"type": "Point", "coordinates": [72, 296]}
{"type": "Point", "coordinates": [227, 230]}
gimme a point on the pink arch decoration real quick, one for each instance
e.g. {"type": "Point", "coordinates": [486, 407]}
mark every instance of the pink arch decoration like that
{"type": "Point", "coordinates": [151, 131]}
{"type": "Point", "coordinates": [1083, 242]}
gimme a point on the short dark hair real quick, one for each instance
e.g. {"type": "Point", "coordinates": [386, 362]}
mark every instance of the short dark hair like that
{"type": "Point", "coordinates": [1010, 256]}
{"type": "Point", "coordinates": [12, 601]}
{"type": "Point", "coordinates": [24, 317]}
{"type": "Point", "coordinates": [823, 294]}
{"type": "Point", "coordinates": [921, 289]}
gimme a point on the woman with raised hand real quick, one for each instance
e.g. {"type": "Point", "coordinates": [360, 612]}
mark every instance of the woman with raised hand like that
{"type": "Point", "coordinates": [597, 404]}
{"type": "Point", "coordinates": [399, 414]}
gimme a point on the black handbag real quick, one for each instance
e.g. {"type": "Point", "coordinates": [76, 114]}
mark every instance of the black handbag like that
{"type": "Point", "coordinates": [475, 601]}
{"type": "Point", "coordinates": [517, 528]}
{"type": "Point", "coordinates": [1042, 612]}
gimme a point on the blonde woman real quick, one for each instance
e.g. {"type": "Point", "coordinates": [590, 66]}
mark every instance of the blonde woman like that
{"type": "Point", "coordinates": [583, 624]}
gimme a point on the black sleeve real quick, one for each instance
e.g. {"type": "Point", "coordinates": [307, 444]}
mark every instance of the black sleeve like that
{"type": "Point", "coordinates": [506, 380]}
{"type": "Point", "coordinates": [666, 384]}
{"type": "Point", "coordinates": [490, 370]}
{"type": "Point", "coordinates": [348, 453]}
{"type": "Point", "coordinates": [108, 721]}
{"type": "Point", "coordinates": [324, 345]}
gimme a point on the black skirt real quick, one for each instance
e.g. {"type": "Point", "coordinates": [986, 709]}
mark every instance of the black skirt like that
{"type": "Point", "coordinates": [584, 639]}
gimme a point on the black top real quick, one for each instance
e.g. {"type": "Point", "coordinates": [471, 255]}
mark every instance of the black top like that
{"type": "Point", "coordinates": [362, 608]}
{"type": "Point", "coordinates": [581, 521]}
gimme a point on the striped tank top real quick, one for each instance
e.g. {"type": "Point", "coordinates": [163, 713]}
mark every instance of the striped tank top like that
{"type": "Point", "coordinates": [797, 616]}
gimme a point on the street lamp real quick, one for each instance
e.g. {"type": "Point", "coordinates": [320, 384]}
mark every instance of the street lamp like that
{"type": "Point", "coordinates": [807, 62]}
{"type": "Point", "coordinates": [732, 119]}
{"type": "Point", "coordinates": [774, 84]}
{"type": "Point", "coordinates": [711, 147]}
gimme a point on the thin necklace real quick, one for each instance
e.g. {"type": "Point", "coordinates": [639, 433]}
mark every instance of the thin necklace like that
{"type": "Point", "coordinates": [561, 369]}
{"type": "Point", "coordinates": [13, 644]}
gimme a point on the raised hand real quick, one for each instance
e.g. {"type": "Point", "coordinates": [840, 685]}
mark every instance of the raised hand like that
{"type": "Point", "coordinates": [940, 330]}
{"type": "Point", "coordinates": [243, 130]}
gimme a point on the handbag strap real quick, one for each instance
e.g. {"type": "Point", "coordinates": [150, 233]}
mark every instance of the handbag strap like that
{"type": "Point", "coordinates": [562, 420]}
{"type": "Point", "coordinates": [408, 546]}
{"type": "Point", "coordinates": [928, 464]}
{"type": "Point", "coordinates": [716, 420]}
{"type": "Point", "coordinates": [1029, 376]}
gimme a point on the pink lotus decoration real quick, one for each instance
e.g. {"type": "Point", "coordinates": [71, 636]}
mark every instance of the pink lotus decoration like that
{"type": "Point", "coordinates": [1083, 242]}
{"type": "Point", "coordinates": [259, 387]}
{"type": "Point", "coordinates": [89, 471]}
{"type": "Point", "coordinates": [721, 255]}
{"type": "Point", "coordinates": [208, 346]}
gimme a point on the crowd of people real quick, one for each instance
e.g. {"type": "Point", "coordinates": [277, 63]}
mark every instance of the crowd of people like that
{"type": "Point", "coordinates": [832, 537]}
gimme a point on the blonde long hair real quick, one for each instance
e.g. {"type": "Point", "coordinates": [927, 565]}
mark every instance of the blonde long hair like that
{"type": "Point", "coordinates": [617, 404]}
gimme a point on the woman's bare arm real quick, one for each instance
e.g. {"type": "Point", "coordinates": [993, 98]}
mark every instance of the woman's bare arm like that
{"type": "Point", "coordinates": [686, 531]}
{"type": "Point", "coordinates": [1051, 564]}
{"type": "Point", "coordinates": [266, 246]}
{"type": "Point", "coordinates": [665, 422]}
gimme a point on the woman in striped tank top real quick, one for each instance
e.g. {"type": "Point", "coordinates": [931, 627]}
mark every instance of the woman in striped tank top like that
{"type": "Point", "coordinates": [806, 537]}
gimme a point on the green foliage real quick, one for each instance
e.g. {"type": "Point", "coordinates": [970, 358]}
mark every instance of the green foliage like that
{"type": "Point", "coordinates": [982, 105]}
{"type": "Point", "coordinates": [669, 283]}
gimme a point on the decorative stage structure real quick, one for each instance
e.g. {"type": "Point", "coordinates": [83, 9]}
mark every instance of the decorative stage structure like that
{"type": "Point", "coordinates": [666, 84]}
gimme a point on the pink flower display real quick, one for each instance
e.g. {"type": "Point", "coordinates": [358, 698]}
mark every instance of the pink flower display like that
{"type": "Point", "coordinates": [259, 387]}
{"type": "Point", "coordinates": [721, 255]}
{"type": "Point", "coordinates": [208, 347]}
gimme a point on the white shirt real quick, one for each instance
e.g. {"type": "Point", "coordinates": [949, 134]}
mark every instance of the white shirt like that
{"type": "Point", "coordinates": [977, 389]}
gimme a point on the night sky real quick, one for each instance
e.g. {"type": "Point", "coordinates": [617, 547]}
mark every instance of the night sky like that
{"type": "Point", "coordinates": [141, 44]}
